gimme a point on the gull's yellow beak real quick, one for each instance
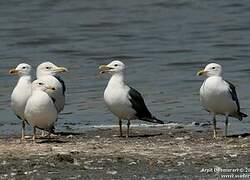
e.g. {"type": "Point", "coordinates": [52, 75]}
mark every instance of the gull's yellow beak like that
{"type": "Point", "coordinates": [201, 72]}
{"type": "Point", "coordinates": [104, 69]}
{"type": "Point", "coordinates": [61, 69]}
{"type": "Point", "coordinates": [13, 71]}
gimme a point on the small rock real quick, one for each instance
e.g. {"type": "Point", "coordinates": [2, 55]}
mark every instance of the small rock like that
{"type": "Point", "coordinates": [13, 174]}
{"type": "Point", "coordinates": [4, 163]}
{"type": "Point", "coordinates": [180, 163]}
{"type": "Point", "coordinates": [111, 172]}
{"type": "Point", "coordinates": [179, 138]}
{"type": "Point", "coordinates": [69, 136]}
{"type": "Point", "coordinates": [75, 177]}
{"type": "Point", "coordinates": [180, 154]}
{"type": "Point", "coordinates": [160, 162]}
{"type": "Point", "coordinates": [244, 145]}
{"type": "Point", "coordinates": [26, 172]}
{"type": "Point", "coordinates": [132, 163]}
{"type": "Point", "coordinates": [93, 168]}
{"type": "Point", "coordinates": [233, 155]}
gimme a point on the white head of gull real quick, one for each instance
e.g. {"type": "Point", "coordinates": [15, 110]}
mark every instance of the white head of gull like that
{"type": "Point", "coordinates": [21, 92]}
{"type": "Point", "coordinates": [48, 68]}
{"type": "Point", "coordinates": [48, 72]}
{"type": "Point", "coordinates": [219, 96]}
{"type": "Point", "coordinates": [40, 110]}
{"type": "Point", "coordinates": [124, 101]}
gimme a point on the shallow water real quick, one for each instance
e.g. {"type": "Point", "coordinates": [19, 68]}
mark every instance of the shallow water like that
{"type": "Point", "coordinates": [163, 43]}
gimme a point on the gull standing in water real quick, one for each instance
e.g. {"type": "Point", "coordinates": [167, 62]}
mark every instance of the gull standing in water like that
{"type": "Point", "coordinates": [40, 110]}
{"type": "Point", "coordinates": [21, 92]}
{"type": "Point", "coordinates": [124, 101]}
{"type": "Point", "coordinates": [219, 96]}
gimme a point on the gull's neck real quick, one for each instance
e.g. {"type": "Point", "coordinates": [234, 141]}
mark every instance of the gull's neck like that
{"type": "Point", "coordinates": [215, 77]}
{"type": "Point", "coordinates": [24, 79]}
{"type": "Point", "coordinates": [24, 84]}
{"type": "Point", "coordinates": [40, 74]}
{"type": "Point", "coordinates": [117, 80]}
{"type": "Point", "coordinates": [218, 76]}
{"type": "Point", "coordinates": [35, 91]}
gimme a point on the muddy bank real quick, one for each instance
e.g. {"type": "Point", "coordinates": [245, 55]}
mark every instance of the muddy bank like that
{"type": "Point", "coordinates": [171, 152]}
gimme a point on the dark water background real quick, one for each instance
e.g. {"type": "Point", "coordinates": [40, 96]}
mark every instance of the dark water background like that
{"type": "Point", "coordinates": [163, 43]}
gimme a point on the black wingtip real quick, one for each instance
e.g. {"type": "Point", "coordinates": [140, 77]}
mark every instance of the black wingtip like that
{"type": "Point", "coordinates": [158, 121]}
{"type": "Point", "coordinates": [152, 120]}
{"type": "Point", "coordinates": [242, 115]}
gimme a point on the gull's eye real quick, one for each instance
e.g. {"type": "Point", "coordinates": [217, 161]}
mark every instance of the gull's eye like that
{"type": "Point", "coordinates": [48, 67]}
{"type": "Point", "coordinates": [23, 67]}
{"type": "Point", "coordinates": [213, 67]}
{"type": "Point", "coordinates": [40, 84]}
{"type": "Point", "coordinates": [116, 65]}
{"type": "Point", "coordinates": [53, 89]}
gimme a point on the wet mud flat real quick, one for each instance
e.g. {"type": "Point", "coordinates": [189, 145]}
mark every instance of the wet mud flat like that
{"type": "Point", "coordinates": [164, 152]}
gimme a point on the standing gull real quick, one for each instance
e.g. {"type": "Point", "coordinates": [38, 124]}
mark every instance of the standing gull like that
{"type": "Point", "coordinates": [48, 72]}
{"type": "Point", "coordinates": [124, 101]}
{"type": "Point", "coordinates": [21, 92]}
{"type": "Point", "coordinates": [40, 110]}
{"type": "Point", "coordinates": [219, 96]}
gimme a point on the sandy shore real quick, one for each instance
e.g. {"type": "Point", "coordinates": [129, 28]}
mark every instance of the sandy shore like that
{"type": "Point", "coordinates": [166, 152]}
